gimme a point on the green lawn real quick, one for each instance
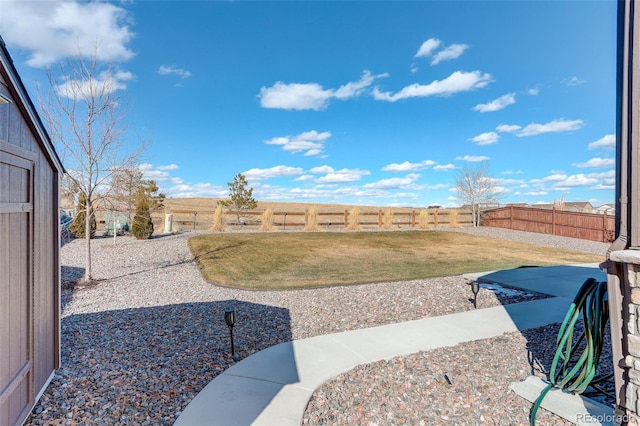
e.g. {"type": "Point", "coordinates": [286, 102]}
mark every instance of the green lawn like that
{"type": "Point", "coordinates": [274, 261]}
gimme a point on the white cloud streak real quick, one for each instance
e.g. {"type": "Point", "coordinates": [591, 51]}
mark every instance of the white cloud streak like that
{"type": "Point", "coordinates": [606, 142]}
{"type": "Point", "coordinates": [427, 48]}
{"type": "Point", "coordinates": [407, 166]}
{"type": "Point", "coordinates": [170, 70]}
{"type": "Point", "coordinates": [311, 143]}
{"type": "Point", "coordinates": [551, 127]}
{"type": "Point", "coordinates": [257, 174]}
{"type": "Point", "coordinates": [496, 104]}
{"type": "Point", "coordinates": [459, 81]}
{"type": "Point", "coordinates": [508, 128]}
{"type": "Point", "coordinates": [473, 158]}
{"type": "Point", "coordinates": [487, 138]}
{"type": "Point", "coordinates": [596, 163]}
{"type": "Point", "coordinates": [448, 53]}
{"type": "Point", "coordinates": [305, 96]}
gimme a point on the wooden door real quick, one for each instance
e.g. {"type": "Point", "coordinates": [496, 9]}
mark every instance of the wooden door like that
{"type": "Point", "coordinates": [16, 286]}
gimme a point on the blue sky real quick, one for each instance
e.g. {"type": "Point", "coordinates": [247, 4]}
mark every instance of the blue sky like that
{"type": "Point", "coordinates": [371, 103]}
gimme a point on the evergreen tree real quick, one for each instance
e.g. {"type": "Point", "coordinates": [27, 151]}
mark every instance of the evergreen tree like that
{"type": "Point", "coordinates": [241, 197]}
{"type": "Point", "coordinates": [142, 226]}
{"type": "Point", "coordinates": [78, 225]}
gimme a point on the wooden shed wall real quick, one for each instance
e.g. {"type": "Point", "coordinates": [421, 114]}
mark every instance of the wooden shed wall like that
{"type": "Point", "coordinates": [19, 136]}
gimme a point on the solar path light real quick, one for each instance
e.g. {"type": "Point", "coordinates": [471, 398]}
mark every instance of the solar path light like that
{"type": "Point", "coordinates": [230, 319]}
{"type": "Point", "coordinates": [475, 288]}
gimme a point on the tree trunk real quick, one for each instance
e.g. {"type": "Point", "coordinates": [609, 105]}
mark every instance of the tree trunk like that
{"type": "Point", "coordinates": [88, 275]}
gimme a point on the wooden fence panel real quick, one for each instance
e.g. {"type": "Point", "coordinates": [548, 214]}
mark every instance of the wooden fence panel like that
{"type": "Point", "coordinates": [586, 226]}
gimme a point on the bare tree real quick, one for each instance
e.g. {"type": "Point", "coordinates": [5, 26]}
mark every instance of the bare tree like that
{"type": "Point", "coordinates": [475, 186]}
{"type": "Point", "coordinates": [84, 111]}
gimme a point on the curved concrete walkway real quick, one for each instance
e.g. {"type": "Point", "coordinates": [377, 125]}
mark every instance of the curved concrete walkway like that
{"type": "Point", "coordinates": [273, 386]}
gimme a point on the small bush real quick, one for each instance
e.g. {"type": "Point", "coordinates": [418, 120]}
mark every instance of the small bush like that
{"type": "Point", "coordinates": [267, 221]}
{"type": "Point", "coordinates": [218, 219]}
{"type": "Point", "coordinates": [78, 225]}
{"type": "Point", "coordinates": [453, 219]}
{"type": "Point", "coordinates": [142, 227]}
{"type": "Point", "coordinates": [423, 219]}
{"type": "Point", "coordinates": [311, 222]}
{"type": "Point", "coordinates": [354, 220]}
{"type": "Point", "coordinates": [387, 221]}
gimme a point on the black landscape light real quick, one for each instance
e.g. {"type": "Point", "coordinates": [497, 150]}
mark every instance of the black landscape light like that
{"type": "Point", "coordinates": [230, 319]}
{"type": "Point", "coordinates": [475, 288]}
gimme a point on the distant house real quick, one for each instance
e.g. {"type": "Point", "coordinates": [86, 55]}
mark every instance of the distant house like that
{"type": "Point", "coordinates": [608, 208]}
{"type": "Point", "coordinates": [30, 174]}
{"type": "Point", "coordinates": [569, 206]}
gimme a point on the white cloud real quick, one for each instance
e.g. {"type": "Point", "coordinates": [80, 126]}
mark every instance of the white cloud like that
{"type": "Point", "coordinates": [551, 127]}
{"type": "Point", "coordinates": [168, 167]}
{"type": "Point", "coordinates": [607, 142]}
{"type": "Point", "coordinates": [448, 53]}
{"type": "Point", "coordinates": [473, 159]}
{"type": "Point", "coordinates": [51, 31]}
{"type": "Point", "coordinates": [407, 182]}
{"type": "Point", "coordinates": [303, 96]}
{"type": "Point", "coordinates": [533, 92]}
{"type": "Point", "coordinates": [427, 48]}
{"type": "Point", "coordinates": [487, 138]}
{"type": "Point", "coordinates": [257, 174]}
{"type": "Point", "coordinates": [337, 176]}
{"type": "Point", "coordinates": [104, 83]}
{"type": "Point", "coordinates": [496, 104]}
{"type": "Point", "coordinates": [573, 81]}
{"type": "Point", "coordinates": [312, 142]}
{"type": "Point", "coordinates": [508, 128]}
{"type": "Point", "coordinates": [459, 81]}
{"type": "Point", "coordinates": [168, 70]}
{"type": "Point", "coordinates": [575, 181]}
{"type": "Point", "coordinates": [407, 166]}
{"type": "Point", "coordinates": [596, 163]}
{"type": "Point", "coordinates": [444, 167]}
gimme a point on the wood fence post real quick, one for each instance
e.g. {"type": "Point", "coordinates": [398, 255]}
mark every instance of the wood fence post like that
{"type": "Point", "coordinates": [306, 217]}
{"type": "Point", "coordinates": [604, 227]}
{"type": "Point", "coordinates": [553, 220]}
{"type": "Point", "coordinates": [379, 218]}
{"type": "Point", "coordinates": [346, 218]}
{"type": "Point", "coordinates": [413, 218]}
{"type": "Point", "coordinates": [511, 216]}
{"type": "Point", "coordinates": [435, 218]}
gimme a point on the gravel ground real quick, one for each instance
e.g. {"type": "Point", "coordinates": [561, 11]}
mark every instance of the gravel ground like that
{"type": "Point", "coordinates": [143, 340]}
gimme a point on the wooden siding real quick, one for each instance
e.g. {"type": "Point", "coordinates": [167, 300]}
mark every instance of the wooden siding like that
{"type": "Point", "coordinates": [586, 226]}
{"type": "Point", "coordinates": [30, 293]}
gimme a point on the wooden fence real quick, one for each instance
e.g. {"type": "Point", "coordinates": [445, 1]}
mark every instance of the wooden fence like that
{"type": "Point", "coordinates": [586, 226]}
{"type": "Point", "coordinates": [203, 219]}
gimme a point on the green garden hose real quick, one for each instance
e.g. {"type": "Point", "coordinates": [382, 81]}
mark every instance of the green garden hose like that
{"type": "Point", "coordinates": [575, 362]}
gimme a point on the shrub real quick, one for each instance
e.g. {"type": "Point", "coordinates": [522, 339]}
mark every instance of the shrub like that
{"type": "Point", "coordinates": [267, 221]}
{"type": "Point", "coordinates": [453, 219]}
{"type": "Point", "coordinates": [423, 219]}
{"type": "Point", "coordinates": [354, 220]}
{"type": "Point", "coordinates": [218, 219]}
{"type": "Point", "coordinates": [387, 222]}
{"type": "Point", "coordinates": [311, 222]}
{"type": "Point", "coordinates": [78, 225]}
{"type": "Point", "coordinates": [142, 227]}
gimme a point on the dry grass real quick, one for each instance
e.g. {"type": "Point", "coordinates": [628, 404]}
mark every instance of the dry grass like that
{"type": "Point", "coordinates": [218, 219]}
{"type": "Point", "coordinates": [354, 220]}
{"type": "Point", "coordinates": [387, 220]}
{"type": "Point", "coordinates": [311, 221]}
{"type": "Point", "coordinates": [268, 261]}
{"type": "Point", "coordinates": [453, 219]}
{"type": "Point", "coordinates": [266, 224]}
{"type": "Point", "coordinates": [423, 219]}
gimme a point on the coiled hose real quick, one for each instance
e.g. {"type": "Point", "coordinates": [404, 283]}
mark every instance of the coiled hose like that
{"type": "Point", "coordinates": [576, 361]}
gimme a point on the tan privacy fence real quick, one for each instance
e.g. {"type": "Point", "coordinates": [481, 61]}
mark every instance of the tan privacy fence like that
{"type": "Point", "coordinates": [586, 226]}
